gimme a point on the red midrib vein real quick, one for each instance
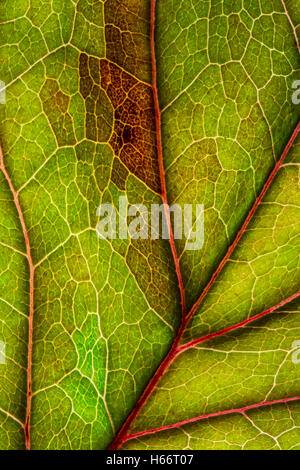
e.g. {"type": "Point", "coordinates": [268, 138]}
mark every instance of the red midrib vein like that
{"type": "Point", "coordinates": [175, 348]}
{"type": "Point", "coordinates": [160, 157]}
{"type": "Point", "coordinates": [31, 298]}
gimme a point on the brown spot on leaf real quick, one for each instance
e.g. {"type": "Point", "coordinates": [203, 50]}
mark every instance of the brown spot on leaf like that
{"type": "Point", "coordinates": [133, 137]}
{"type": "Point", "coordinates": [127, 36]}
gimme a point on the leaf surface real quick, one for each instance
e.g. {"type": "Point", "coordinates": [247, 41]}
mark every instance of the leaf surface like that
{"type": "Point", "coordinates": [139, 344]}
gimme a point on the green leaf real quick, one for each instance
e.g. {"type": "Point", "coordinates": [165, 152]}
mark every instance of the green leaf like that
{"type": "Point", "coordinates": [144, 344]}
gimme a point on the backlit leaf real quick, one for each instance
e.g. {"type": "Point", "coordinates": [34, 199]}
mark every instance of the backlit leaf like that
{"type": "Point", "coordinates": [143, 343]}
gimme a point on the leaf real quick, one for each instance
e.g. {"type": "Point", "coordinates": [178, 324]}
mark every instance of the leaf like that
{"type": "Point", "coordinates": [143, 344]}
